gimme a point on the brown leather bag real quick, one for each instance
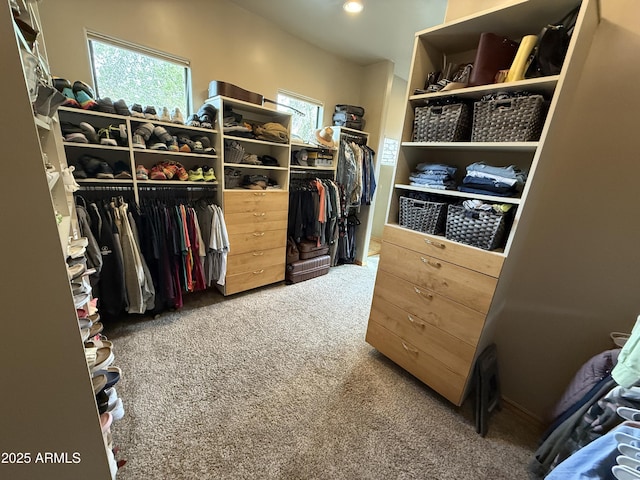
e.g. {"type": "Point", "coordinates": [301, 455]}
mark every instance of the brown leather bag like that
{"type": "Point", "coordinates": [495, 53]}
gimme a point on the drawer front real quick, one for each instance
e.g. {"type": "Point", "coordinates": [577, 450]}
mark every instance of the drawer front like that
{"type": "Point", "coordinates": [452, 317]}
{"type": "Point", "coordinates": [451, 351]}
{"type": "Point", "coordinates": [257, 241]}
{"type": "Point", "coordinates": [254, 279]}
{"type": "Point", "coordinates": [426, 368]}
{"type": "Point", "coordinates": [252, 201]}
{"type": "Point", "coordinates": [489, 263]}
{"type": "Point", "coordinates": [256, 221]}
{"type": "Point", "coordinates": [468, 287]}
{"type": "Point", "coordinates": [253, 261]}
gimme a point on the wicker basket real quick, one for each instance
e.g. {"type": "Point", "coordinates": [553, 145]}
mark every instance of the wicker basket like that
{"type": "Point", "coordinates": [233, 152]}
{"type": "Point", "coordinates": [232, 178]}
{"type": "Point", "coordinates": [446, 123]}
{"type": "Point", "coordinates": [425, 217]}
{"type": "Point", "coordinates": [517, 119]}
{"type": "Point", "coordinates": [480, 229]}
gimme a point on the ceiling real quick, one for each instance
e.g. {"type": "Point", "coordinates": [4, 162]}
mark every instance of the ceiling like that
{"type": "Point", "coordinates": [384, 30]}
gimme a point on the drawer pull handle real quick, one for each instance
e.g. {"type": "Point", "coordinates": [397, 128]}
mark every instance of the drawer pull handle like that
{"type": "Point", "coordinates": [258, 254]}
{"type": "Point", "coordinates": [428, 296]}
{"type": "Point", "coordinates": [259, 194]}
{"type": "Point", "coordinates": [259, 214]}
{"type": "Point", "coordinates": [415, 322]}
{"type": "Point", "coordinates": [258, 234]}
{"type": "Point", "coordinates": [431, 263]}
{"type": "Point", "coordinates": [408, 348]}
{"type": "Point", "coordinates": [434, 243]}
{"type": "Point", "coordinates": [258, 272]}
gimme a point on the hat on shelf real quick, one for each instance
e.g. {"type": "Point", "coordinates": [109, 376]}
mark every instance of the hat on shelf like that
{"type": "Point", "coordinates": [324, 136]}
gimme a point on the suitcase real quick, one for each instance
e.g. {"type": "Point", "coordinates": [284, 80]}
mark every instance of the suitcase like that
{"type": "Point", "coordinates": [346, 117]}
{"type": "Point", "coordinates": [309, 249]}
{"type": "Point", "coordinates": [350, 109]}
{"type": "Point", "coordinates": [232, 91]}
{"type": "Point", "coordinates": [359, 125]}
{"type": "Point", "coordinates": [307, 269]}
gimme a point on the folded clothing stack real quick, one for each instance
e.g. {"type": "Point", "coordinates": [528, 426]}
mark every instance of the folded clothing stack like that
{"type": "Point", "coordinates": [433, 175]}
{"type": "Point", "coordinates": [489, 180]}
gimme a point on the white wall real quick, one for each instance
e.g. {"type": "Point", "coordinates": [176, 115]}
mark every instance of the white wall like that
{"type": "Point", "coordinates": [222, 41]}
{"type": "Point", "coordinates": [393, 129]}
{"type": "Point", "coordinates": [462, 8]}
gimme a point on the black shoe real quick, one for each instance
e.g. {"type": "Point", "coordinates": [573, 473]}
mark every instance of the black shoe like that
{"type": "Point", "coordinates": [122, 170]}
{"type": "Point", "coordinates": [136, 110]}
{"type": "Point", "coordinates": [193, 120]}
{"type": "Point", "coordinates": [121, 108]}
{"type": "Point", "coordinates": [90, 165]}
{"type": "Point", "coordinates": [105, 105]}
{"type": "Point", "coordinates": [104, 171]}
{"type": "Point", "coordinates": [89, 132]}
{"type": "Point", "coordinates": [150, 113]}
{"type": "Point", "coordinates": [79, 86]}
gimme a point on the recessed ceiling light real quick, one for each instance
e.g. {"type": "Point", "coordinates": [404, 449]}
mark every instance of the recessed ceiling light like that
{"type": "Point", "coordinates": [353, 6]}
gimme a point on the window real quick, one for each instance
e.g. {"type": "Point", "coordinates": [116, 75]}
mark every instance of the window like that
{"type": "Point", "coordinates": [302, 126]}
{"type": "Point", "coordinates": [139, 75]}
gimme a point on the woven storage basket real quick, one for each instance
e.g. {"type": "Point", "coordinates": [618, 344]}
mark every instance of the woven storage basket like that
{"type": "Point", "coordinates": [232, 178]}
{"type": "Point", "coordinates": [425, 217]}
{"type": "Point", "coordinates": [517, 119]}
{"type": "Point", "coordinates": [447, 123]}
{"type": "Point", "coordinates": [480, 229]}
{"type": "Point", "coordinates": [233, 154]}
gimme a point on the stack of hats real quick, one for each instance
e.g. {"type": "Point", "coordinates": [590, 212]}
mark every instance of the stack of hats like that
{"type": "Point", "coordinates": [350, 116]}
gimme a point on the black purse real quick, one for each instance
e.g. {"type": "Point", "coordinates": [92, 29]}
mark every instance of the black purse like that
{"type": "Point", "coordinates": [553, 42]}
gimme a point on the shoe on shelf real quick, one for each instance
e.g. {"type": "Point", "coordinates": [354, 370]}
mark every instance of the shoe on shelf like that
{"type": "Point", "coordinates": [161, 133]}
{"type": "Point", "coordinates": [206, 121]}
{"type": "Point", "coordinates": [80, 86]}
{"type": "Point", "coordinates": [104, 358]}
{"type": "Point", "coordinates": [85, 101]}
{"type": "Point", "coordinates": [181, 172]}
{"type": "Point", "coordinates": [206, 145]}
{"type": "Point", "coordinates": [122, 131]}
{"type": "Point", "coordinates": [122, 170]}
{"type": "Point", "coordinates": [207, 114]}
{"type": "Point", "coordinates": [106, 137]}
{"type": "Point", "coordinates": [197, 147]}
{"type": "Point", "coordinates": [74, 271]}
{"type": "Point", "coordinates": [121, 108]}
{"type": "Point", "coordinates": [174, 147]}
{"type": "Point", "coordinates": [176, 116]}
{"type": "Point", "coordinates": [99, 383]}
{"type": "Point", "coordinates": [164, 115]}
{"type": "Point", "coordinates": [104, 171]}
{"type": "Point", "coordinates": [78, 173]}
{"type": "Point", "coordinates": [76, 138]}
{"type": "Point", "coordinates": [195, 175]}
{"type": "Point", "coordinates": [64, 86]}
{"type": "Point", "coordinates": [169, 169]}
{"type": "Point", "coordinates": [157, 173]}
{"type": "Point", "coordinates": [145, 130]}
{"type": "Point", "coordinates": [102, 400]}
{"type": "Point", "coordinates": [208, 174]}
{"type": "Point", "coordinates": [193, 120]}
{"type": "Point", "coordinates": [105, 105]}
{"type": "Point", "coordinates": [112, 374]}
{"type": "Point", "coordinates": [89, 132]}
{"type": "Point", "coordinates": [137, 141]}
{"type": "Point", "coordinates": [184, 148]}
{"type": "Point", "coordinates": [183, 139]}
{"type": "Point", "coordinates": [158, 146]}
{"type": "Point", "coordinates": [90, 165]}
{"type": "Point", "coordinates": [150, 113]}
{"type": "Point", "coordinates": [117, 410]}
{"type": "Point", "coordinates": [142, 173]}
{"type": "Point", "coordinates": [96, 328]}
{"type": "Point", "coordinates": [136, 110]}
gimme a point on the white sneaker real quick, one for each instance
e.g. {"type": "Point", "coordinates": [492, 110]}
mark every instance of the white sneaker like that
{"type": "Point", "coordinates": [117, 412]}
{"type": "Point", "coordinates": [138, 141]}
{"type": "Point", "coordinates": [176, 116]}
{"type": "Point", "coordinates": [164, 116]}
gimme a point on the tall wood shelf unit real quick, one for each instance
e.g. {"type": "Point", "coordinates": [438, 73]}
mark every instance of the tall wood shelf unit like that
{"type": "Point", "coordinates": [48, 402]}
{"type": "Point", "coordinates": [435, 299]}
{"type": "Point", "coordinates": [256, 219]}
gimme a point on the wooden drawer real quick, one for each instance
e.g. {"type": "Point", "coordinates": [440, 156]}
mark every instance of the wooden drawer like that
{"type": "Point", "coordinates": [257, 241]}
{"type": "Point", "coordinates": [429, 370]}
{"type": "Point", "coordinates": [452, 317]}
{"type": "Point", "coordinates": [251, 201]}
{"type": "Point", "coordinates": [253, 261]}
{"type": "Point", "coordinates": [254, 279]}
{"type": "Point", "coordinates": [468, 287]}
{"type": "Point", "coordinates": [489, 263]}
{"type": "Point", "coordinates": [256, 221]}
{"type": "Point", "coordinates": [451, 351]}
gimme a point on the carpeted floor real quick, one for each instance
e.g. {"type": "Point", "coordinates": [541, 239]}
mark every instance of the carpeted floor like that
{"type": "Point", "coordinates": [278, 383]}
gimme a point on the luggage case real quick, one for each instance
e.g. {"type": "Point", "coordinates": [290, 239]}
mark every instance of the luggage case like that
{"type": "Point", "coordinates": [230, 90]}
{"type": "Point", "coordinates": [309, 249]}
{"type": "Point", "coordinates": [307, 269]}
{"type": "Point", "coordinates": [350, 109]}
{"type": "Point", "coordinates": [346, 117]}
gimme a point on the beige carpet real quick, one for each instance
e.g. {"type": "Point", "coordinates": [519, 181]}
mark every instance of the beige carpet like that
{"type": "Point", "coordinates": [278, 383]}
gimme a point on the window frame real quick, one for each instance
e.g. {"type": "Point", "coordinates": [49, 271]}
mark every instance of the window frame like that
{"type": "Point", "coordinates": [92, 36]}
{"type": "Point", "coordinates": [296, 96]}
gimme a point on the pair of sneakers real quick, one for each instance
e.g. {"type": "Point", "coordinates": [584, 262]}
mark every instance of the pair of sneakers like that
{"type": "Point", "coordinates": [168, 170]}
{"type": "Point", "coordinates": [205, 117]}
{"type": "Point", "coordinates": [175, 116]}
{"type": "Point", "coordinates": [202, 174]}
{"type": "Point", "coordinates": [119, 107]}
{"type": "Point", "coordinates": [92, 167]}
{"type": "Point", "coordinates": [78, 95]}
